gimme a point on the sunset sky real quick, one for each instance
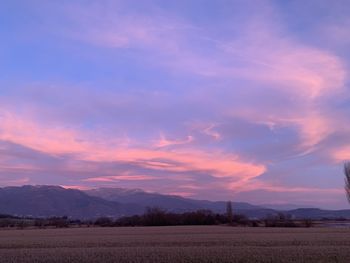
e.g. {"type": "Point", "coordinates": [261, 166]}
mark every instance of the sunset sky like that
{"type": "Point", "coordinates": [242, 100]}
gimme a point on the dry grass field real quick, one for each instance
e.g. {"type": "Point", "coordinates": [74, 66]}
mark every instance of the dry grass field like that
{"type": "Point", "coordinates": [176, 244]}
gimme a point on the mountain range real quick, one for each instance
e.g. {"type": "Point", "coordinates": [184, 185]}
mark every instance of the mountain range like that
{"type": "Point", "coordinates": [45, 201]}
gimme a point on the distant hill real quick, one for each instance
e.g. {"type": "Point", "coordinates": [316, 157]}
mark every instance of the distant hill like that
{"type": "Point", "coordinates": [316, 213]}
{"type": "Point", "coordinates": [173, 203]}
{"type": "Point", "coordinates": [46, 201]}
{"type": "Point", "coordinates": [283, 207]}
{"type": "Point", "coordinates": [168, 202]}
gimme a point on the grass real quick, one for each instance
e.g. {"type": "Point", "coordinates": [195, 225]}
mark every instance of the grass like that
{"type": "Point", "coordinates": [176, 244]}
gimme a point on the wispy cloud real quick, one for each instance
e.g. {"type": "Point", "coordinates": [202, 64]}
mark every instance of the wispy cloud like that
{"type": "Point", "coordinates": [163, 141]}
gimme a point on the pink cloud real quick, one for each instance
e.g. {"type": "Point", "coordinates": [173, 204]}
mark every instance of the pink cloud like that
{"type": "Point", "coordinates": [207, 129]}
{"type": "Point", "coordinates": [164, 142]}
{"type": "Point", "coordinates": [44, 138]}
{"type": "Point", "coordinates": [217, 163]}
{"type": "Point", "coordinates": [341, 154]}
{"type": "Point", "coordinates": [336, 33]}
{"type": "Point", "coordinates": [120, 178]}
{"type": "Point", "coordinates": [184, 194]}
{"type": "Point", "coordinates": [264, 53]}
{"type": "Point", "coordinates": [15, 182]}
{"type": "Point", "coordinates": [78, 187]}
{"type": "Point", "coordinates": [18, 167]}
{"type": "Point", "coordinates": [57, 141]}
{"type": "Point", "coordinates": [265, 186]}
{"type": "Point", "coordinates": [108, 25]}
{"type": "Point", "coordinates": [306, 74]}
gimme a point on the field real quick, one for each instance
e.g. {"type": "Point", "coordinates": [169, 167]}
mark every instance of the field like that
{"type": "Point", "coordinates": [176, 244]}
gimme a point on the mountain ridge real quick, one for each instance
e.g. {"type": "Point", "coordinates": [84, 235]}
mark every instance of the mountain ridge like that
{"type": "Point", "coordinates": [51, 200]}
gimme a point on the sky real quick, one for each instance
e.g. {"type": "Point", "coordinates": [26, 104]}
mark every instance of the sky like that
{"type": "Point", "coordinates": [220, 100]}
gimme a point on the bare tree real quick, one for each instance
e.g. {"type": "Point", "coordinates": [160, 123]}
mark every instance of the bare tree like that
{"type": "Point", "coordinates": [347, 179]}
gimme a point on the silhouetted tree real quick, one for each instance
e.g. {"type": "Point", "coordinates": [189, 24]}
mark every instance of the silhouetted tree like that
{"type": "Point", "coordinates": [200, 217]}
{"type": "Point", "coordinates": [154, 216]}
{"type": "Point", "coordinates": [103, 221]}
{"type": "Point", "coordinates": [40, 223]}
{"type": "Point", "coordinates": [279, 220]}
{"type": "Point", "coordinates": [347, 179]}
{"type": "Point", "coordinates": [135, 220]}
{"type": "Point", "coordinates": [58, 222]}
{"type": "Point", "coordinates": [307, 222]}
{"type": "Point", "coordinates": [229, 212]}
{"type": "Point", "coordinates": [239, 219]}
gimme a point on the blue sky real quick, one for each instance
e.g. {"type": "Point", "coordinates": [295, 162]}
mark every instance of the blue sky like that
{"type": "Point", "coordinates": [240, 100]}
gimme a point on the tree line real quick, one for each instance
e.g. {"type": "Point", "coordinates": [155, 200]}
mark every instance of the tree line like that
{"type": "Point", "coordinates": [154, 216]}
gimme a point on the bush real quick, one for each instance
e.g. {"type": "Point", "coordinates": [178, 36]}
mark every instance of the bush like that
{"type": "Point", "coordinates": [279, 220]}
{"type": "Point", "coordinates": [239, 219]}
{"type": "Point", "coordinates": [103, 221]}
{"type": "Point", "coordinates": [58, 222]}
{"type": "Point", "coordinates": [307, 223]}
